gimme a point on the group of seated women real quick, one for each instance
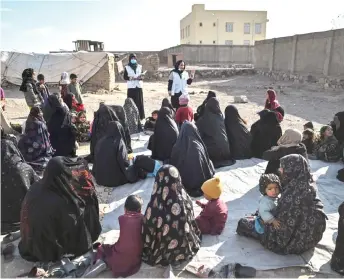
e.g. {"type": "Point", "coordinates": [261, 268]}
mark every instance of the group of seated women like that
{"type": "Point", "coordinates": [60, 213]}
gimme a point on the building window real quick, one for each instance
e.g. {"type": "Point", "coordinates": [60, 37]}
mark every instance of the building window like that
{"type": "Point", "coordinates": [258, 28]}
{"type": "Point", "coordinates": [229, 42]}
{"type": "Point", "coordinates": [229, 26]}
{"type": "Point", "coordinates": [214, 42]}
{"type": "Point", "coordinates": [188, 30]}
{"type": "Point", "coordinates": [200, 24]}
{"type": "Point", "coordinates": [214, 24]}
{"type": "Point", "coordinates": [247, 42]}
{"type": "Point", "coordinates": [200, 42]}
{"type": "Point", "coordinates": [247, 28]}
{"type": "Point", "coordinates": [183, 35]}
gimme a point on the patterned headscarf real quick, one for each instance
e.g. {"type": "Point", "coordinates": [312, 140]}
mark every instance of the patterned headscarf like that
{"type": "Point", "coordinates": [267, 179]}
{"type": "Point", "coordinates": [133, 115]}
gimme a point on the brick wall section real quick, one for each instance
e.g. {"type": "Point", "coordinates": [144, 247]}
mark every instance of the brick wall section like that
{"type": "Point", "coordinates": [104, 78]}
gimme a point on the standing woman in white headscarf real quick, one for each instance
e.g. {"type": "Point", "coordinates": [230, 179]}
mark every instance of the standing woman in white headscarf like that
{"type": "Point", "coordinates": [133, 75]}
{"type": "Point", "coordinates": [178, 82]}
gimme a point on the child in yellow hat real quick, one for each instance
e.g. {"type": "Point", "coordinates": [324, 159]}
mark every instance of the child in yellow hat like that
{"type": "Point", "coordinates": [213, 218]}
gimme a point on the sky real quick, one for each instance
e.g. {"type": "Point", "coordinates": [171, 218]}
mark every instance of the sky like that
{"type": "Point", "coordinates": [43, 26]}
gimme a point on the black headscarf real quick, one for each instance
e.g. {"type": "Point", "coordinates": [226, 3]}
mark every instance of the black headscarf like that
{"type": "Point", "coordinates": [239, 136]}
{"type": "Point", "coordinates": [111, 157]}
{"type": "Point", "coordinates": [167, 104]}
{"type": "Point", "coordinates": [190, 157]}
{"type": "Point", "coordinates": [102, 117]}
{"type": "Point", "coordinates": [265, 133]}
{"type": "Point", "coordinates": [27, 77]}
{"type": "Point", "coordinates": [62, 131]}
{"type": "Point", "coordinates": [165, 135]}
{"type": "Point", "coordinates": [212, 129]}
{"type": "Point", "coordinates": [16, 178]}
{"type": "Point", "coordinates": [339, 133]}
{"type": "Point", "coordinates": [176, 67]}
{"type": "Point", "coordinates": [337, 260]}
{"type": "Point", "coordinates": [133, 66]}
{"type": "Point", "coordinates": [60, 213]}
{"type": "Point", "coordinates": [51, 106]}
{"type": "Point", "coordinates": [200, 109]}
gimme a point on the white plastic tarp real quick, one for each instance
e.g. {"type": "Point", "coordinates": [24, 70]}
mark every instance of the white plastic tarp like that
{"type": "Point", "coordinates": [84, 64]}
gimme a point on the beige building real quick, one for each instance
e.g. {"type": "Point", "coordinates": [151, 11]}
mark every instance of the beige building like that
{"type": "Point", "coordinates": [223, 27]}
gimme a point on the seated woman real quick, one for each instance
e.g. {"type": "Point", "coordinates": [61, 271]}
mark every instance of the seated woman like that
{"type": "Point", "coordinates": [239, 137]}
{"type": "Point", "coordinates": [327, 148]}
{"type": "Point", "coordinates": [265, 133]}
{"type": "Point", "coordinates": [272, 104]}
{"type": "Point", "coordinates": [133, 116]}
{"type": "Point", "coordinates": [289, 143]}
{"type": "Point", "coordinates": [211, 127]}
{"type": "Point", "coordinates": [299, 211]}
{"type": "Point", "coordinates": [201, 108]}
{"type": "Point", "coordinates": [190, 157]}
{"type": "Point", "coordinates": [35, 144]}
{"type": "Point", "coordinates": [82, 127]}
{"type": "Point", "coordinates": [72, 103]}
{"type": "Point", "coordinates": [60, 213]}
{"type": "Point", "coordinates": [167, 104]}
{"type": "Point", "coordinates": [164, 137]}
{"type": "Point", "coordinates": [61, 129]}
{"type": "Point", "coordinates": [170, 232]}
{"type": "Point", "coordinates": [16, 178]}
{"type": "Point", "coordinates": [49, 106]}
{"type": "Point", "coordinates": [338, 126]}
{"type": "Point", "coordinates": [337, 260]}
{"type": "Point", "coordinates": [111, 158]}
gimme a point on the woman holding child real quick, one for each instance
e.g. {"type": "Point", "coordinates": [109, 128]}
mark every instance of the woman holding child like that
{"type": "Point", "coordinates": [170, 232]}
{"type": "Point", "coordinates": [299, 217]}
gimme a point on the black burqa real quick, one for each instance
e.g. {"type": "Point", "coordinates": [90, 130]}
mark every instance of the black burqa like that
{"type": "Point", "coordinates": [62, 131]}
{"type": "Point", "coordinates": [339, 131]}
{"type": "Point", "coordinates": [211, 127]}
{"type": "Point", "coordinates": [102, 117]}
{"type": "Point", "coordinates": [167, 104]}
{"type": "Point", "coordinates": [123, 119]}
{"type": "Point", "coordinates": [265, 133]}
{"type": "Point", "coordinates": [165, 135]}
{"type": "Point", "coordinates": [239, 136]}
{"type": "Point", "coordinates": [337, 260]}
{"type": "Point", "coordinates": [111, 157]}
{"type": "Point", "coordinates": [190, 157]}
{"type": "Point", "coordinates": [60, 213]}
{"type": "Point", "coordinates": [16, 178]}
{"type": "Point", "coordinates": [201, 108]}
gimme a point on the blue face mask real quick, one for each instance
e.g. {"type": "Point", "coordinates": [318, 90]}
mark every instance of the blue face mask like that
{"type": "Point", "coordinates": [133, 61]}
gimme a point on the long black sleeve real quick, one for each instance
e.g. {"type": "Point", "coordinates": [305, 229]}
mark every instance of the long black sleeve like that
{"type": "Point", "coordinates": [125, 75]}
{"type": "Point", "coordinates": [170, 82]}
{"type": "Point", "coordinates": [189, 81]}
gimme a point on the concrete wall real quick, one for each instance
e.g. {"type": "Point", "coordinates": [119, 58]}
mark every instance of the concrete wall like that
{"type": "Point", "coordinates": [104, 78]}
{"type": "Point", "coordinates": [211, 54]}
{"type": "Point", "coordinates": [318, 54]}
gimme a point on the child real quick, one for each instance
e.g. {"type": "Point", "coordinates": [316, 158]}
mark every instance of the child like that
{"type": "Point", "coordinates": [124, 257]}
{"type": "Point", "coordinates": [83, 127]}
{"type": "Point", "coordinates": [184, 111]}
{"type": "Point", "coordinates": [309, 139]}
{"type": "Point", "coordinates": [212, 219]}
{"type": "Point", "coordinates": [308, 125]}
{"type": "Point", "coordinates": [42, 87]}
{"type": "Point", "coordinates": [269, 187]}
{"type": "Point", "coordinates": [150, 121]}
{"type": "Point", "coordinates": [75, 88]}
{"type": "Point", "coordinates": [327, 147]}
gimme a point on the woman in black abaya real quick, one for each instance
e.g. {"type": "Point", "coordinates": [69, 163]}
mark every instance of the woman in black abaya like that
{"type": "Point", "coordinates": [201, 108]}
{"type": "Point", "coordinates": [212, 129]}
{"type": "Point", "coordinates": [164, 137]}
{"type": "Point", "coordinates": [167, 104]}
{"type": "Point", "coordinates": [190, 157]}
{"type": "Point", "coordinates": [16, 178]}
{"type": "Point", "coordinates": [60, 213]}
{"type": "Point", "coordinates": [62, 131]}
{"type": "Point", "coordinates": [337, 260]}
{"type": "Point", "coordinates": [265, 133]}
{"type": "Point", "coordinates": [111, 157]}
{"type": "Point", "coordinates": [239, 136]}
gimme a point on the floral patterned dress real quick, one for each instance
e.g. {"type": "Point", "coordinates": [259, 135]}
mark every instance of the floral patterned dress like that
{"type": "Point", "coordinates": [170, 232]}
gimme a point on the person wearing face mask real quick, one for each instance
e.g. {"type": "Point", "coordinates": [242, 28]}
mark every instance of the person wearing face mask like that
{"type": "Point", "coordinates": [133, 74]}
{"type": "Point", "coordinates": [178, 82]}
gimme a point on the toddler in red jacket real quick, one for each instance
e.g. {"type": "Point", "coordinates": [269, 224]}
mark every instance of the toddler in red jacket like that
{"type": "Point", "coordinates": [213, 218]}
{"type": "Point", "coordinates": [184, 112]}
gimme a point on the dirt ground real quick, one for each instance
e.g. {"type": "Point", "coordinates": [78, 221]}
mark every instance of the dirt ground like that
{"type": "Point", "coordinates": [301, 104]}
